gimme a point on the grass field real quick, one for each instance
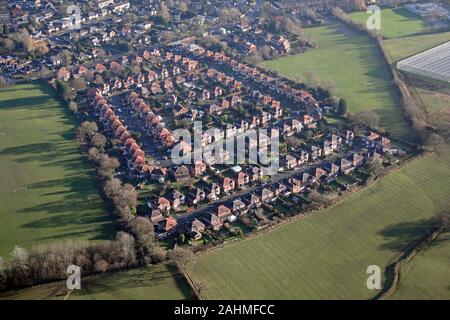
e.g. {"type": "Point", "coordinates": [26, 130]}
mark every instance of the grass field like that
{"type": "Point", "coordinates": [325, 256]}
{"type": "Point", "coordinates": [395, 23]}
{"type": "Point", "coordinates": [155, 283]}
{"type": "Point", "coordinates": [402, 48]}
{"type": "Point", "coordinates": [352, 62]}
{"type": "Point", "coordinates": [405, 33]}
{"type": "Point", "coordinates": [38, 151]}
{"type": "Point", "coordinates": [427, 276]}
{"type": "Point", "coordinates": [433, 101]}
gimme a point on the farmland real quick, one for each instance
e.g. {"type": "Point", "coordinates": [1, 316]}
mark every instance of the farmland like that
{"type": "Point", "coordinates": [395, 23]}
{"type": "Point", "coordinates": [326, 255]}
{"type": "Point", "coordinates": [55, 196]}
{"type": "Point", "coordinates": [405, 33]}
{"type": "Point", "coordinates": [427, 276]}
{"type": "Point", "coordinates": [154, 283]}
{"type": "Point", "coordinates": [401, 48]}
{"type": "Point", "coordinates": [367, 87]}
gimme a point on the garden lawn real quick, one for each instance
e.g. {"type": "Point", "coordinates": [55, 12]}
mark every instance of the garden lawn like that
{"type": "Point", "coordinates": [38, 151]}
{"type": "Point", "coordinates": [326, 256]}
{"type": "Point", "coordinates": [427, 275]}
{"type": "Point", "coordinates": [154, 283]}
{"type": "Point", "coordinates": [353, 64]}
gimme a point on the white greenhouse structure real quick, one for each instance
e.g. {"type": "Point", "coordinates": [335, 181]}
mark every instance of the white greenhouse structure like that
{"type": "Point", "coordinates": [433, 63]}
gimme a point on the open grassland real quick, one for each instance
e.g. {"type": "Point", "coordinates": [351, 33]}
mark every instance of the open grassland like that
{"type": "Point", "coordinates": [402, 48]}
{"type": "Point", "coordinates": [353, 64]}
{"type": "Point", "coordinates": [427, 275]}
{"type": "Point", "coordinates": [38, 151]}
{"type": "Point", "coordinates": [395, 23]}
{"type": "Point", "coordinates": [405, 33]}
{"type": "Point", "coordinates": [433, 101]}
{"type": "Point", "coordinates": [325, 256]}
{"type": "Point", "coordinates": [406, 36]}
{"type": "Point", "coordinates": [154, 283]}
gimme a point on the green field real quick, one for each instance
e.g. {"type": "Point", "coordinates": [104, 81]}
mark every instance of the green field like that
{"type": "Point", "coordinates": [354, 65]}
{"type": "Point", "coordinates": [38, 151]}
{"type": "Point", "coordinates": [405, 33]}
{"type": "Point", "coordinates": [155, 283]}
{"type": "Point", "coordinates": [427, 276]}
{"type": "Point", "coordinates": [433, 101]}
{"type": "Point", "coordinates": [402, 48]}
{"type": "Point", "coordinates": [395, 23]}
{"type": "Point", "coordinates": [325, 256]}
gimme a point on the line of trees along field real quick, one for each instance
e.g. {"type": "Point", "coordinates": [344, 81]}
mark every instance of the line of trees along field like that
{"type": "Point", "coordinates": [134, 245]}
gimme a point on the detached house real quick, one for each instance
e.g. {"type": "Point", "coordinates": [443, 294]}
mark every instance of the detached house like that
{"type": "Point", "coordinates": [315, 152]}
{"type": "Point", "coordinates": [331, 169]}
{"type": "Point", "coordinates": [228, 184]}
{"type": "Point", "coordinates": [196, 196]}
{"type": "Point", "coordinates": [266, 195]}
{"type": "Point", "coordinates": [255, 174]}
{"type": "Point", "coordinates": [198, 168]}
{"type": "Point", "coordinates": [345, 166]}
{"type": "Point", "coordinates": [213, 221]}
{"type": "Point", "coordinates": [242, 179]}
{"type": "Point", "coordinates": [356, 159]}
{"type": "Point", "coordinates": [295, 185]}
{"type": "Point", "coordinates": [176, 199]}
{"type": "Point", "coordinates": [238, 206]}
{"type": "Point", "coordinates": [195, 227]}
{"type": "Point", "coordinates": [156, 216]}
{"type": "Point", "coordinates": [162, 204]}
{"type": "Point", "coordinates": [213, 191]}
{"type": "Point", "coordinates": [168, 225]}
{"type": "Point", "coordinates": [290, 162]}
{"type": "Point", "coordinates": [181, 173]}
{"type": "Point", "coordinates": [252, 201]}
{"type": "Point", "coordinates": [223, 212]}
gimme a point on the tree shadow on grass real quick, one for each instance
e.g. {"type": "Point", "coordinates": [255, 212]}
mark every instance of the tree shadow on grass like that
{"type": "Point", "coordinates": [134, 279]}
{"type": "Point", "coordinates": [28, 149]}
{"type": "Point", "coordinates": [405, 235]}
{"type": "Point", "coordinates": [24, 102]}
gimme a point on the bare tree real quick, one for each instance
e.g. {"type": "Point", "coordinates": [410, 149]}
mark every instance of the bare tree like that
{"type": "Point", "coordinates": [368, 118]}
{"type": "Point", "coordinates": [435, 143]}
{"type": "Point", "coordinates": [20, 268]}
{"type": "Point", "coordinates": [3, 275]}
{"type": "Point", "coordinates": [181, 256]}
{"type": "Point", "coordinates": [79, 84]}
{"type": "Point", "coordinates": [27, 42]}
{"type": "Point", "coordinates": [124, 249]}
{"type": "Point", "coordinates": [3, 82]}
{"type": "Point", "coordinates": [143, 231]}
{"type": "Point", "coordinates": [88, 128]}
{"type": "Point", "coordinates": [7, 44]}
{"type": "Point", "coordinates": [184, 5]}
{"type": "Point", "coordinates": [375, 166]}
{"type": "Point", "coordinates": [106, 166]}
{"type": "Point", "coordinates": [360, 5]}
{"type": "Point", "coordinates": [98, 140]}
{"type": "Point", "coordinates": [318, 199]}
{"type": "Point", "coordinates": [165, 14]}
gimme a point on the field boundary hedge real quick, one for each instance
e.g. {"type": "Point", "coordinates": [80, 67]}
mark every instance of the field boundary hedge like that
{"type": "Point", "coordinates": [394, 270]}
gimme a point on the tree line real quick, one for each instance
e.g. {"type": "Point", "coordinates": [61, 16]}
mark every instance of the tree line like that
{"type": "Point", "coordinates": [134, 246]}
